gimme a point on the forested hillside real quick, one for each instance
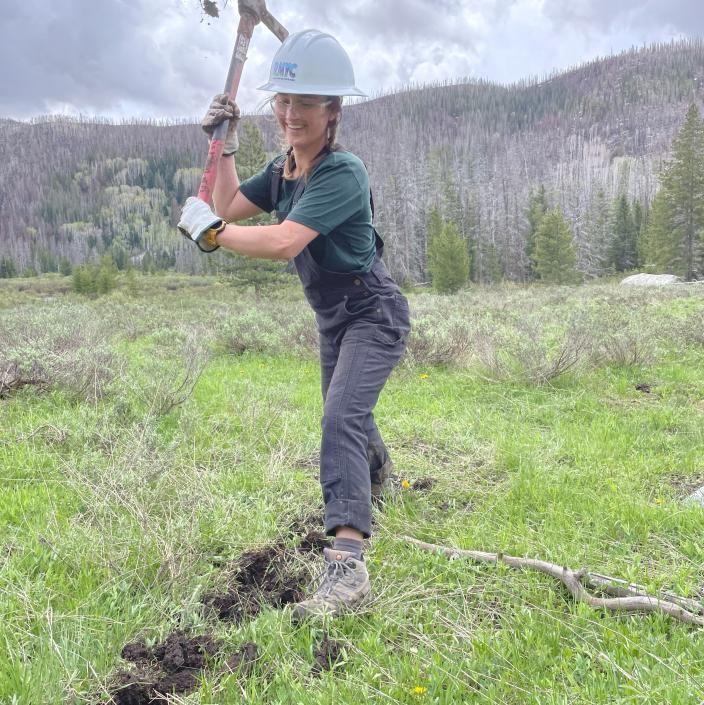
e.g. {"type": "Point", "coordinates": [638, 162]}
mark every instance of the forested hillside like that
{"type": "Point", "coordinates": [585, 141]}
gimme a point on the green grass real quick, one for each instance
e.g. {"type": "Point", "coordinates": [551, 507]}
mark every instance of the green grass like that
{"type": "Point", "coordinates": [123, 504]}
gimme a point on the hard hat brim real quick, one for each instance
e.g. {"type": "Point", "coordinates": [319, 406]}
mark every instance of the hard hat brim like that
{"type": "Point", "coordinates": [299, 89]}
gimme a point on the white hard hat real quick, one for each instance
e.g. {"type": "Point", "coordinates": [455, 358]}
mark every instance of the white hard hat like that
{"type": "Point", "coordinates": [313, 63]}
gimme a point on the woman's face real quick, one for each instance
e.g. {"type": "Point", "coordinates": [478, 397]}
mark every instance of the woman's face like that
{"type": "Point", "coordinates": [304, 119]}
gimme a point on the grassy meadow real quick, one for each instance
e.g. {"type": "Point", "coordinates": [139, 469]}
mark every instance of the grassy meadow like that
{"type": "Point", "coordinates": [154, 440]}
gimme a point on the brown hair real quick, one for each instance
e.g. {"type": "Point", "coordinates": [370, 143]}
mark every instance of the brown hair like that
{"type": "Point", "coordinates": [335, 110]}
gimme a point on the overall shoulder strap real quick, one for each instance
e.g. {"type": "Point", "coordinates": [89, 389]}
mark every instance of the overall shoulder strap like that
{"type": "Point", "coordinates": [277, 173]}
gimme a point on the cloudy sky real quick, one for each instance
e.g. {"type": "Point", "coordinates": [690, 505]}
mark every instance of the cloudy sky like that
{"type": "Point", "coordinates": [166, 58]}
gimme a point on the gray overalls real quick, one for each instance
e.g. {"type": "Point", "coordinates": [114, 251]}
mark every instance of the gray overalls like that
{"type": "Point", "coordinates": [363, 322]}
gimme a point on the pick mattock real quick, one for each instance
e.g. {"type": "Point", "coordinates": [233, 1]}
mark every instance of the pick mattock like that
{"type": "Point", "coordinates": [252, 12]}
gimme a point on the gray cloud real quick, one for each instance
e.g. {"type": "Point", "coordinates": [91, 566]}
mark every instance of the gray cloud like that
{"type": "Point", "coordinates": [417, 20]}
{"type": "Point", "coordinates": [148, 58]}
{"type": "Point", "coordinates": [685, 16]}
{"type": "Point", "coordinates": [99, 54]}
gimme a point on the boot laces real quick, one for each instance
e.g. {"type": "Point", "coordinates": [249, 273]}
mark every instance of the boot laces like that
{"type": "Point", "coordinates": [335, 572]}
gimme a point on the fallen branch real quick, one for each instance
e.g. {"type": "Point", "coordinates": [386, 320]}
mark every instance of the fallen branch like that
{"type": "Point", "coordinates": [628, 597]}
{"type": "Point", "coordinates": [12, 378]}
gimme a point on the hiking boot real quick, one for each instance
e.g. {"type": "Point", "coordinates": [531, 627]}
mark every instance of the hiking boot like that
{"type": "Point", "coordinates": [381, 481]}
{"type": "Point", "coordinates": [345, 587]}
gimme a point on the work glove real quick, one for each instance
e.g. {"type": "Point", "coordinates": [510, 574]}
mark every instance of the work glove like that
{"type": "Point", "coordinates": [221, 109]}
{"type": "Point", "coordinates": [200, 224]}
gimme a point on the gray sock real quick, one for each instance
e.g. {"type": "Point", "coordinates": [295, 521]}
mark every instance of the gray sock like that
{"type": "Point", "coordinates": [351, 545]}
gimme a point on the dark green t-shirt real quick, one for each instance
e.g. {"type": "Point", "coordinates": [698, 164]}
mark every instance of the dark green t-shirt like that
{"type": "Point", "coordinates": [335, 204]}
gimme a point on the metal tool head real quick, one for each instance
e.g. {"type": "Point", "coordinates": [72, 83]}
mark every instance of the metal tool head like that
{"type": "Point", "coordinates": [257, 10]}
{"type": "Point", "coordinates": [253, 7]}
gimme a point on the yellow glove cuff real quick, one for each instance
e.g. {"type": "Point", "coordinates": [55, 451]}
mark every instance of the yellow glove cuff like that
{"type": "Point", "coordinates": [211, 235]}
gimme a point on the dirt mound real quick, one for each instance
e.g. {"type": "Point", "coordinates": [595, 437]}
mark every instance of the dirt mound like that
{"type": "Point", "coordinates": [268, 576]}
{"type": "Point", "coordinates": [423, 483]}
{"type": "Point", "coordinates": [172, 667]}
{"type": "Point", "coordinates": [261, 578]}
{"type": "Point", "coordinates": [243, 660]}
{"type": "Point", "coordinates": [644, 387]}
{"type": "Point", "coordinates": [314, 542]}
{"type": "Point", "coordinates": [327, 655]}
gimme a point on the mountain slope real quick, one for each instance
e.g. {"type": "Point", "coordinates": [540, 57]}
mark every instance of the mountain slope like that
{"type": "Point", "coordinates": [475, 150]}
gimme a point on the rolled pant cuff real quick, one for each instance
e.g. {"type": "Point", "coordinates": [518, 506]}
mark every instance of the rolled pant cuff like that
{"type": "Point", "coordinates": [348, 512]}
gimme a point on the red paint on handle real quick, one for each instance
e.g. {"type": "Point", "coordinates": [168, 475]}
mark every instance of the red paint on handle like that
{"type": "Point", "coordinates": [239, 56]}
{"type": "Point", "coordinates": [210, 172]}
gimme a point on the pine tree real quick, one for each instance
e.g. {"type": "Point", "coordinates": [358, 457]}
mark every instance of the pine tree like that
{"type": "Point", "coordinates": [555, 258]}
{"type": "Point", "coordinates": [85, 280]}
{"type": "Point", "coordinates": [131, 283]}
{"type": "Point", "coordinates": [639, 225]}
{"type": "Point", "coordinates": [492, 264]}
{"type": "Point", "coordinates": [7, 268]}
{"type": "Point", "coordinates": [251, 157]}
{"type": "Point", "coordinates": [537, 208]}
{"type": "Point", "coordinates": [448, 260]}
{"type": "Point", "coordinates": [435, 223]}
{"type": "Point", "coordinates": [659, 247]}
{"type": "Point", "coordinates": [105, 277]}
{"type": "Point", "coordinates": [622, 254]}
{"type": "Point", "coordinates": [683, 186]}
{"type": "Point", "coordinates": [65, 266]}
{"type": "Point", "coordinates": [596, 258]}
{"type": "Point", "coordinates": [262, 276]}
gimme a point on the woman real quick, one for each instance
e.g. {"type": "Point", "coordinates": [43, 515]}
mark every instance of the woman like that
{"type": "Point", "coordinates": [321, 197]}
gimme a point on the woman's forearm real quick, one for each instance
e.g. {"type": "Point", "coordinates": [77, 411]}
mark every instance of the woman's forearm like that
{"type": "Point", "coordinates": [282, 241]}
{"type": "Point", "coordinates": [263, 241]}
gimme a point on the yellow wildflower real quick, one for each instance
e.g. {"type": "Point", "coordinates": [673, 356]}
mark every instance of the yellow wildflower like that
{"type": "Point", "coordinates": [659, 500]}
{"type": "Point", "coordinates": [405, 484]}
{"type": "Point", "coordinates": [419, 690]}
{"type": "Point", "coordinates": [424, 375]}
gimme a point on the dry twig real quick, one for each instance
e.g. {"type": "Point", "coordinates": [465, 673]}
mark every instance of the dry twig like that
{"type": "Point", "coordinates": [626, 596]}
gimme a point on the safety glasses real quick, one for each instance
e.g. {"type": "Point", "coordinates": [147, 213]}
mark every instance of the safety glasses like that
{"type": "Point", "coordinates": [281, 104]}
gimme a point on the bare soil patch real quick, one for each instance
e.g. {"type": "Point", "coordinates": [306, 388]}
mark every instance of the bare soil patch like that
{"type": "Point", "coordinates": [686, 484]}
{"type": "Point", "coordinates": [261, 578]}
{"type": "Point", "coordinates": [269, 576]}
{"type": "Point", "coordinates": [244, 658]}
{"type": "Point", "coordinates": [327, 655]}
{"type": "Point", "coordinates": [423, 484]}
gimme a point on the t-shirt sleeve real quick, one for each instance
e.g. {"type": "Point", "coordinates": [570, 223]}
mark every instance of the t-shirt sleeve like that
{"type": "Point", "coordinates": [335, 193]}
{"type": "Point", "coordinates": [258, 188]}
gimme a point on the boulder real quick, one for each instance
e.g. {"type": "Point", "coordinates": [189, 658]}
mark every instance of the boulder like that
{"type": "Point", "coordinates": [651, 279]}
{"type": "Point", "coordinates": [697, 497]}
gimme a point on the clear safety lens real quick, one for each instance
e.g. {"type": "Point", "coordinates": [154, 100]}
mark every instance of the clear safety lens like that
{"type": "Point", "coordinates": [281, 104]}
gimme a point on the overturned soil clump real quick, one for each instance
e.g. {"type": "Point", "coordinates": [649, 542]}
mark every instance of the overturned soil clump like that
{"type": "Point", "coordinates": [171, 668]}
{"type": "Point", "coordinates": [269, 576]}
{"type": "Point", "coordinates": [210, 8]}
{"type": "Point", "coordinates": [423, 483]}
{"type": "Point", "coordinates": [314, 542]}
{"type": "Point", "coordinates": [261, 578]}
{"type": "Point", "coordinates": [243, 660]}
{"type": "Point", "coordinates": [327, 655]}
